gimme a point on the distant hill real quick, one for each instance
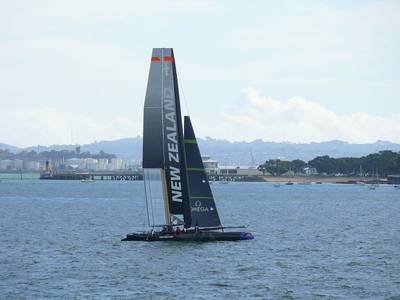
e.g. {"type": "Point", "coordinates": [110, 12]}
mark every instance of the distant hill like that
{"type": "Point", "coordinates": [234, 153]}
{"type": "Point", "coordinates": [9, 148]}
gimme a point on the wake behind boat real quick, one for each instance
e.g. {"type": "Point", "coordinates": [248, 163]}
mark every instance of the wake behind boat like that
{"type": "Point", "coordinates": [173, 167]}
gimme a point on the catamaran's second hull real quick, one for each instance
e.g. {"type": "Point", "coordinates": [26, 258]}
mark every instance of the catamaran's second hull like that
{"type": "Point", "coordinates": [200, 236]}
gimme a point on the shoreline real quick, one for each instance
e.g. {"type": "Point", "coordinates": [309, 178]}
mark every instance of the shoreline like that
{"type": "Point", "coordinates": [323, 179]}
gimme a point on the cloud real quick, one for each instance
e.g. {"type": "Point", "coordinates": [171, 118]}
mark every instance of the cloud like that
{"type": "Point", "coordinates": [87, 64]}
{"type": "Point", "coordinates": [49, 65]}
{"type": "Point", "coordinates": [253, 117]}
{"type": "Point", "coordinates": [25, 18]}
{"type": "Point", "coordinates": [298, 120]}
{"type": "Point", "coordinates": [48, 125]}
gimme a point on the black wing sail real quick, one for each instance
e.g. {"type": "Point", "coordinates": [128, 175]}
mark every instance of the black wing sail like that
{"type": "Point", "coordinates": [152, 116]}
{"type": "Point", "coordinates": [202, 206]}
{"type": "Point", "coordinates": [163, 133]}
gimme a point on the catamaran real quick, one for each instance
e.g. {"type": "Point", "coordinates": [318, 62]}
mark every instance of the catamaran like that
{"type": "Point", "coordinates": [171, 154]}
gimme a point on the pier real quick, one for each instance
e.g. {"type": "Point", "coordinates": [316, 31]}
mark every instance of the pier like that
{"type": "Point", "coordinates": [93, 175]}
{"type": "Point", "coordinates": [130, 175]}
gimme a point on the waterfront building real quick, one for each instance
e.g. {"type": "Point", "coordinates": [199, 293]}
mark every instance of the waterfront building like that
{"type": "Point", "coordinates": [310, 171]}
{"type": "Point", "coordinates": [91, 164]}
{"type": "Point", "coordinates": [31, 165]}
{"type": "Point", "coordinates": [102, 164]}
{"type": "Point", "coordinates": [74, 163]}
{"type": "Point", "coordinates": [210, 165]}
{"type": "Point", "coordinates": [5, 164]}
{"type": "Point", "coordinates": [212, 168]}
{"type": "Point", "coordinates": [116, 164]}
{"type": "Point", "coordinates": [17, 164]}
{"type": "Point", "coordinates": [241, 171]}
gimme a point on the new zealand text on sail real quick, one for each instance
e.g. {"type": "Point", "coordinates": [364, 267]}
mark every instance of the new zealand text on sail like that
{"type": "Point", "coordinates": [172, 144]}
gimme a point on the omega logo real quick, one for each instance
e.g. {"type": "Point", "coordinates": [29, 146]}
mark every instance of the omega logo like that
{"type": "Point", "coordinates": [199, 208]}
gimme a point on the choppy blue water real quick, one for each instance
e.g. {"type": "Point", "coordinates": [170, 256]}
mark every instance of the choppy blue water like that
{"type": "Point", "coordinates": [62, 239]}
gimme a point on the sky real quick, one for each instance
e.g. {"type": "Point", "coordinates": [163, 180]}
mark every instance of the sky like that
{"type": "Point", "coordinates": [297, 71]}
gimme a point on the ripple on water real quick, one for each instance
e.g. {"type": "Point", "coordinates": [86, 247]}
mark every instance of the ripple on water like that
{"type": "Point", "coordinates": [63, 240]}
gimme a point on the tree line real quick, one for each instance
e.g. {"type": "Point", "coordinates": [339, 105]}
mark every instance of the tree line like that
{"type": "Point", "coordinates": [53, 155]}
{"type": "Point", "coordinates": [382, 163]}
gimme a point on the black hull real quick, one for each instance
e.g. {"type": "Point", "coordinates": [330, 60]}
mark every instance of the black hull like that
{"type": "Point", "coordinates": [200, 236]}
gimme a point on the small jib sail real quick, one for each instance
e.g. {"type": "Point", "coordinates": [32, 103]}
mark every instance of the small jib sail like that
{"type": "Point", "coordinates": [202, 206]}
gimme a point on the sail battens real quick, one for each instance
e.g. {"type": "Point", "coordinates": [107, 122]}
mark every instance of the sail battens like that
{"type": "Point", "coordinates": [200, 197]}
{"type": "Point", "coordinates": [190, 141]}
{"type": "Point", "coordinates": [196, 169]}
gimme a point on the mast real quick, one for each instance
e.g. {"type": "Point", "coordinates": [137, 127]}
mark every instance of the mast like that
{"type": "Point", "coordinates": [165, 198]}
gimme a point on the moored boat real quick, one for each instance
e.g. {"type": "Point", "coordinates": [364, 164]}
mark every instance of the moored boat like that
{"type": "Point", "coordinates": [373, 186]}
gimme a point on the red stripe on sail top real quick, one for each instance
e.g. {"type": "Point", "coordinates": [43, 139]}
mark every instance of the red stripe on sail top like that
{"type": "Point", "coordinates": [155, 58]}
{"type": "Point", "coordinates": [168, 58]}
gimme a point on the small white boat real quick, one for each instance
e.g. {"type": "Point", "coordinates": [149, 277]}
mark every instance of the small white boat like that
{"type": "Point", "coordinates": [373, 186]}
{"type": "Point", "coordinates": [397, 186]}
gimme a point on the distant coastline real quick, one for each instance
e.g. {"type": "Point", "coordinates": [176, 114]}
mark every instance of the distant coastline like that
{"type": "Point", "coordinates": [322, 179]}
{"type": "Point", "coordinates": [231, 153]}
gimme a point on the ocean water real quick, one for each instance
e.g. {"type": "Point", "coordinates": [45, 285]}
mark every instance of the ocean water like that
{"type": "Point", "coordinates": [61, 239]}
